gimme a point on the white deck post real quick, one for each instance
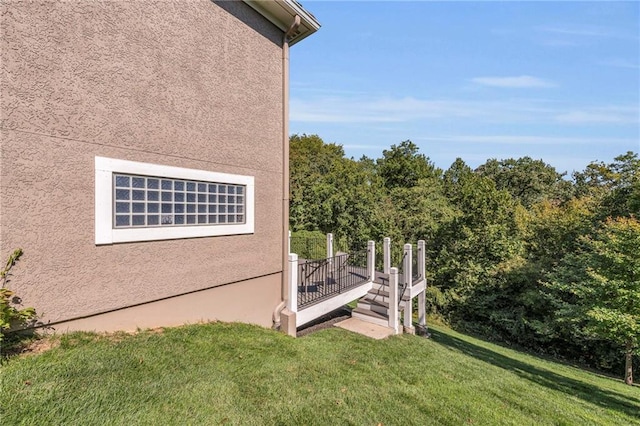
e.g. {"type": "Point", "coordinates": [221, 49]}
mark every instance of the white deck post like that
{"type": "Point", "coordinates": [329, 245]}
{"type": "Point", "coordinates": [289, 241]}
{"type": "Point", "coordinates": [371, 260]}
{"type": "Point", "coordinates": [393, 300]}
{"type": "Point", "coordinates": [406, 276]}
{"type": "Point", "coordinates": [292, 303]}
{"type": "Point", "coordinates": [422, 302]}
{"type": "Point", "coordinates": [386, 255]}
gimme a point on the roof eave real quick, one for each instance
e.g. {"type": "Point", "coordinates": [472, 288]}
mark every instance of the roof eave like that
{"type": "Point", "coordinates": [282, 13]}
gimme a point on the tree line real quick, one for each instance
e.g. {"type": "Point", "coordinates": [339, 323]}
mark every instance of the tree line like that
{"type": "Point", "coordinates": [517, 252]}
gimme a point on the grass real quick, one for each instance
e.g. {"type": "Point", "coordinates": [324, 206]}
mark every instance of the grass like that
{"type": "Point", "coordinates": [239, 374]}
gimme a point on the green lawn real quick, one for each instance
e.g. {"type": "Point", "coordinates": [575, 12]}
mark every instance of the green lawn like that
{"type": "Point", "coordinates": [238, 374]}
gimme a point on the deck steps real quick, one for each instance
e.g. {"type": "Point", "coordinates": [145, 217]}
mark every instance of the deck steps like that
{"type": "Point", "coordinates": [370, 316]}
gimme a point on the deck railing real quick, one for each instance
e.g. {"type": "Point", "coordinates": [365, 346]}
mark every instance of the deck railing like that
{"type": "Point", "coordinates": [322, 279]}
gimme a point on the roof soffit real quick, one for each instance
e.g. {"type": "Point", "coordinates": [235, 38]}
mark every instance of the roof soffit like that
{"type": "Point", "coordinates": [282, 13]}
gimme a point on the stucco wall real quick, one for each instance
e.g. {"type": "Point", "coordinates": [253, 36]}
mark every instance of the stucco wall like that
{"type": "Point", "coordinates": [192, 84]}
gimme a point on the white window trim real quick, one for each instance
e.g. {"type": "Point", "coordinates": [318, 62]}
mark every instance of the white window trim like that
{"type": "Point", "coordinates": [107, 234]}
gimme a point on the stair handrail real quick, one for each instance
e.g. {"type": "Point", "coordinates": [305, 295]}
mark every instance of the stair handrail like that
{"type": "Point", "coordinates": [406, 267]}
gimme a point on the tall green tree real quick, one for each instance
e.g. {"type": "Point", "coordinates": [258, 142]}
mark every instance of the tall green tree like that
{"type": "Point", "coordinates": [402, 166]}
{"type": "Point", "coordinates": [480, 242]}
{"type": "Point", "coordinates": [617, 184]}
{"type": "Point", "coordinates": [527, 180]}
{"type": "Point", "coordinates": [599, 286]}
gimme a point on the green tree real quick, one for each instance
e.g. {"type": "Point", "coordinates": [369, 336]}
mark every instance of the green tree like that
{"type": "Point", "coordinates": [479, 242]}
{"type": "Point", "coordinates": [616, 184]}
{"type": "Point", "coordinates": [311, 160]}
{"type": "Point", "coordinates": [527, 180]}
{"type": "Point", "coordinates": [599, 286]}
{"type": "Point", "coordinates": [402, 166]}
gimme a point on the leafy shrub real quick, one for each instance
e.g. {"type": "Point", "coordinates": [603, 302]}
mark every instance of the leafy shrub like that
{"type": "Point", "coordinates": [11, 316]}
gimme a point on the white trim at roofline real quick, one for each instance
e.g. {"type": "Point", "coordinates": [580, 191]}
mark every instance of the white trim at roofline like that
{"type": "Point", "coordinates": [105, 233]}
{"type": "Point", "coordinates": [282, 12]}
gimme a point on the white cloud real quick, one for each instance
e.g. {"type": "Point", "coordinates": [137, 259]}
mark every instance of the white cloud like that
{"type": "Point", "coordinates": [352, 109]}
{"type": "Point", "coordinates": [523, 81]}
{"type": "Point", "coordinates": [389, 112]}
{"type": "Point", "coordinates": [621, 63]}
{"type": "Point", "coordinates": [525, 140]}
{"type": "Point", "coordinates": [604, 115]}
{"type": "Point", "coordinates": [367, 109]}
{"type": "Point", "coordinates": [579, 31]}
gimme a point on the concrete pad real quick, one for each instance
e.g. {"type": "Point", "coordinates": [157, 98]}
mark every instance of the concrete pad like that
{"type": "Point", "coordinates": [374, 331]}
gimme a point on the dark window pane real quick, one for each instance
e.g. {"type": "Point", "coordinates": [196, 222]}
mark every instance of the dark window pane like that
{"type": "Point", "coordinates": [222, 198]}
{"type": "Point", "coordinates": [138, 220]}
{"type": "Point", "coordinates": [231, 189]}
{"type": "Point", "coordinates": [240, 209]}
{"type": "Point", "coordinates": [138, 207]}
{"type": "Point", "coordinates": [231, 199]}
{"type": "Point", "coordinates": [231, 218]}
{"type": "Point", "coordinates": [202, 187]}
{"type": "Point", "coordinates": [153, 208]}
{"type": "Point", "coordinates": [122, 220]}
{"type": "Point", "coordinates": [122, 207]}
{"type": "Point", "coordinates": [122, 194]}
{"type": "Point", "coordinates": [153, 195]}
{"type": "Point", "coordinates": [213, 219]}
{"type": "Point", "coordinates": [240, 190]}
{"type": "Point", "coordinates": [138, 195]}
{"type": "Point", "coordinates": [137, 182]}
{"type": "Point", "coordinates": [153, 219]}
{"type": "Point", "coordinates": [153, 183]}
{"type": "Point", "coordinates": [178, 185]}
{"type": "Point", "coordinates": [167, 208]}
{"type": "Point", "coordinates": [178, 197]}
{"type": "Point", "coordinates": [202, 218]}
{"type": "Point", "coordinates": [202, 208]}
{"type": "Point", "coordinates": [191, 219]}
{"type": "Point", "coordinates": [240, 200]}
{"type": "Point", "coordinates": [222, 219]}
{"type": "Point", "coordinates": [213, 209]}
{"type": "Point", "coordinates": [222, 189]}
{"type": "Point", "coordinates": [191, 186]}
{"type": "Point", "coordinates": [167, 196]}
{"type": "Point", "coordinates": [212, 187]}
{"type": "Point", "coordinates": [178, 208]}
{"type": "Point", "coordinates": [191, 208]}
{"type": "Point", "coordinates": [179, 218]}
{"type": "Point", "coordinates": [222, 209]}
{"type": "Point", "coordinates": [212, 198]}
{"type": "Point", "coordinates": [240, 218]}
{"type": "Point", "coordinates": [167, 184]}
{"type": "Point", "coordinates": [122, 181]}
{"type": "Point", "coordinates": [191, 198]}
{"type": "Point", "coordinates": [202, 198]}
{"type": "Point", "coordinates": [231, 209]}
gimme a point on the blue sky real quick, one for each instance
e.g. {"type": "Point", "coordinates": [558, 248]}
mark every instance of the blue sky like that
{"type": "Point", "coordinates": [558, 81]}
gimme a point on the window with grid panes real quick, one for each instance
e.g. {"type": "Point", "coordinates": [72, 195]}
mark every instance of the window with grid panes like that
{"type": "Point", "coordinates": [143, 202]}
{"type": "Point", "coordinates": [153, 201]}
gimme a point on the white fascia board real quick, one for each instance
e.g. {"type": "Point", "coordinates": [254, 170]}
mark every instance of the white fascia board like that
{"type": "Point", "coordinates": [282, 12]}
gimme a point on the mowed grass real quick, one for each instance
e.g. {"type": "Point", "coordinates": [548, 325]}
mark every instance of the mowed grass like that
{"type": "Point", "coordinates": [221, 373]}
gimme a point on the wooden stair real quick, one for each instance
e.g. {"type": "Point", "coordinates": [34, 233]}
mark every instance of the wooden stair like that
{"type": "Point", "coordinates": [374, 306]}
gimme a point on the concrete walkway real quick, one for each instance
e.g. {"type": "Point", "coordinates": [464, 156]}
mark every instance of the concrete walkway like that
{"type": "Point", "coordinates": [365, 328]}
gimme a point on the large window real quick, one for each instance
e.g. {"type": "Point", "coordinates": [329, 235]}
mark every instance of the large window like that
{"type": "Point", "coordinates": [141, 202]}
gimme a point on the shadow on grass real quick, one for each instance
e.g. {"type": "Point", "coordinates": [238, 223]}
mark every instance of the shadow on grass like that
{"type": "Point", "coordinates": [585, 391]}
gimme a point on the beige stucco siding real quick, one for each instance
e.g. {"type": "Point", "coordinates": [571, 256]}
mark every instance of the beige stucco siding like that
{"type": "Point", "coordinates": [192, 84]}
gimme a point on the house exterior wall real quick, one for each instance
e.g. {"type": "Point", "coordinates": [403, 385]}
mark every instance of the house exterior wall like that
{"type": "Point", "coordinates": [194, 84]}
